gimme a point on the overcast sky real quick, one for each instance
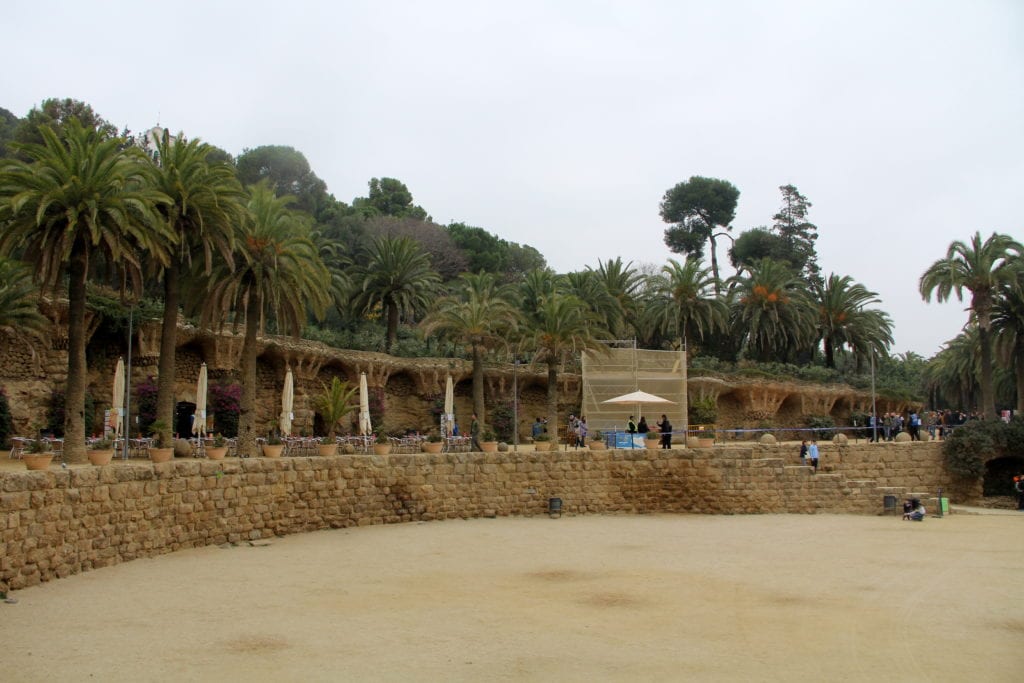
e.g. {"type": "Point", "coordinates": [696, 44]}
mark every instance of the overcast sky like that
{"type": "Point", "coordinates": [561, 124]}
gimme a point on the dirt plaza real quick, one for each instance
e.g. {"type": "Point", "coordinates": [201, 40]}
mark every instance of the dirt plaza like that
{"type": "Point", "coordinates": [601, 597]}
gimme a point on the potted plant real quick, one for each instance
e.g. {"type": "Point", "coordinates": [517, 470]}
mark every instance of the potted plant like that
{"type": "Point", "coordinates": [488, 440]}
{"type": "Point", "coordinates": [542, 442]}
{"type": "Point", "coordinates": [433, 444]}
{"type": "Point", "coordinates": [336, 401]}
{"type": "Point", "coordinates": [218, 448]}
{"type": "Point", "coordinates": [705, 438]}
{"type": "Point", "coordinates": [100, 451]}
{"type": "Point", "coordinates": [652, 439]}
{"type": "Point", "coordinates": [381, 446]}
{"type": "Point", "coordinates": [158, 450]}
{"type": "Point", "coordinates": [597, 441]}
{"type": "Point", "coordinates": [38, 454]}
{"type": "Point", "coordinates": [274, 447]}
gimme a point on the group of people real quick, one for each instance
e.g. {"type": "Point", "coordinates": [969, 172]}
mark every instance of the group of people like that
{"type": "Point", "coordinates": [939, 423]}
{"type": "Point", "coordinates": [664, 429]}
{"type": "Point", "coordinates": [809, 454]}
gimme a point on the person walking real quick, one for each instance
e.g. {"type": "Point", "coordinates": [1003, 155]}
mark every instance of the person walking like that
{"type": "Point", "coordinates": [803, 452]}
{"type": "Point", "coordinates": [812, 453]}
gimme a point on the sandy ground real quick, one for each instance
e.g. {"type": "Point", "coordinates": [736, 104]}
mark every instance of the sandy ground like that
{"type": "Point", "coordinates": [597, 598]}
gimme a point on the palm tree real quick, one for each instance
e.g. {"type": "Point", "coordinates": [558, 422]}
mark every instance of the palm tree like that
{"type": "Point", "coordinates": [1008, 329]}
{"type": "Point", "coordinates": [278, 274]}
{"type": "Point", "coordinates": [623, 284]}
{"type": "Point", "coordinates": [397, 276]}
{"type": "Point", "coordinates": [206, 204]}
{"type": "Point", "coordinates": [79, 199]}
{"type": "Point", "coordinates": [20, 318]}
{"type": "Point", "coordinates": [586, 286]}
{"type": "Point", "coordinates": [558, 329]}
{"type": "Point", "coordinates": [336, 401]}
{"type": "Point", "coordinates": [683, 301]}
{"type": "Point", "coordinates": [482, 317]}
{"type": "Point", "coordinates": [953, 371]}
{"type": "Point", "coordinates": [981, 268]}
{"type": "Point", "coordinates": [842, 319]}
{"type": "Point", "coordinates": [771, 311]}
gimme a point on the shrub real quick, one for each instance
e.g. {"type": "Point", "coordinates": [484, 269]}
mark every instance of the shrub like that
{"type": "Point", "coordinates": [820, 421]}
{"type": "Point", "coordinates": [967, 447]}
{"type": "Point", "coordinates": [224, 401]}
{"type": "Point", "coordinates": [501, 420]}
{"type": "Point", "coordinates": [703, 411]}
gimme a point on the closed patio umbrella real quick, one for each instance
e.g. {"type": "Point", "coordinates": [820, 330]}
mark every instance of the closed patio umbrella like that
{"type": "Point", "coordinates": [287, 403]}
{"type": "Point", "coordinates": [365, 427]}
{"type": "Point", "coordinates": [118, 398]}
{"type": "Point", "coordinates": [199, 423]}
{"type": "Point", "coordinates": [448, 419]}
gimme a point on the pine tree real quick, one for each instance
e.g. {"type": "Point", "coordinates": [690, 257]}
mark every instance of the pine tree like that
{"type": "Point", "coordinates": [791, 223]}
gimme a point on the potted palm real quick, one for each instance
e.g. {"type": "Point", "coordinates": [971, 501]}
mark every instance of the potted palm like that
{"type": "Point", "coordinates": [274, 447]}
{"type": "Point", "coordinates": [101, 451]}
{"type": "Point", "coordinates": [542, 442]}
{"type": "Point", "coordinates": [218, 448]}
{"type": "Point", "coordinates": [488, 440]}
{"type": "Point", "coordinates": [433, 444]}
{"type": "Point", "coordinates": [381, 446]}
{"type": "Point", "coordinates": [333, 404]}
{"type": "Point", "coordinates": [38, 454]}
{"type": "Point", "coordinates": [160, 451]}
{"type": "Point", "coordinates": [597, 441]}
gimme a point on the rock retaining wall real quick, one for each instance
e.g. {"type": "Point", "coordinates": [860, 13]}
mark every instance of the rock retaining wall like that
{"type": "Point", "coordinates": [59, 522]}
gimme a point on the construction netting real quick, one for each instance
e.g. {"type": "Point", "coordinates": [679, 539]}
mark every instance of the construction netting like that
{"type": "Point", "coordinates": [625, 369]}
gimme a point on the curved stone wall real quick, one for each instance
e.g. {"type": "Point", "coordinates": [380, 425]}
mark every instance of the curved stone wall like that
{"type": "Point", "coordinates": [60, 522]}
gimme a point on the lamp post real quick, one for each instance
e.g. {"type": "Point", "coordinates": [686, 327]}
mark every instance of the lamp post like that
{"type": "Point", "coordinates": [128, 385]}
{"type": "Point", "coordinates": [874, 411]}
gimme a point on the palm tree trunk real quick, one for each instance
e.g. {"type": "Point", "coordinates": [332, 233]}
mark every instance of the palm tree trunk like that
{"type": "Point", "coordinates": [247, 409]}
{"type": "Point", "coordinates": [74, 396]}
{"type": "Point", "coordinates": [988, 399]}
{"type": "Point", "coordinates": [1019, 375]}
{"type": "Point", "coordinates": [553, 399]}
{"type": "Point", "coordinates": [478, 384]}
{"type": "Point", "coordinates": [830, 353]}
{"type": "Point", "coordinates": [392, 333]}
{"type": "Point", "coordinates": [168, 341]}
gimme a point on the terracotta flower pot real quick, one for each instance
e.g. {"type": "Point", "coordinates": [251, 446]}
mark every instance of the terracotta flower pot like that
{"type": "Point", "coordinates": [273, 450]}
{"type": "Point", "coordinates": [651, 444]}
{"type": "Point", "coordinates": [102, 457]}
{"type": "Point", "coordinates": [381, 448]}
{"type": "Point", "coordinates": [542, 445]}
{"type": "Point", "coordinates": [489, 446]}
{"type": "Point", "coordinates": [598, 446]}
{"type": "Point", "coordinates": [327, 449]}
{"type": "Point", "coordinates": [216, 452]}
{"type": "Point", "coordinates": [161, 454]}
{"type": "Point", "coordinates": [431, 446]}
{"type": "Point", "coordinates": [37, 461]}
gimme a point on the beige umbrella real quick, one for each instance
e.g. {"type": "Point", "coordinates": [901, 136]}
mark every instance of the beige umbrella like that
{"type": "Point", "coordinates": [365, 427]}
{"type": "Point", "coordinates": [199, 423]}
{"type": "Point", "coordinates": [448, 419]}
{"type": "Point", "coordinates": [287, 403]}
{"type": "Point", "coordinates": [638, 398]}
{"type": "Point", "coordinates": [118, 398]}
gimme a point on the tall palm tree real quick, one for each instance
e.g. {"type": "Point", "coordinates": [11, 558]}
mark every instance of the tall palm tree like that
{"type": "Point", "coordinates": [1008, 329]}
{"type": "Point", "coordinates": [842, 319]}
{"type": "Point", "coordinates": [558, 329]}
{"type": "Point", "coordinates": [771, 311]}
{"type": "Point", "coordinates": [623, 283]}
{"type": "Point", "coordinates": [481, 316]}
{"type": "Point", "coordinates": [953, 372]}
{"type": "Point", "coordinates": [981, 268]}
{"type": "Point", "coordinates": [586, 286]}
{"type": "Point", "coordinates": [397, 276]}
{"type": "Point", "coordinates": [206, 205]}
{"type": "Point", "coordinates": [79, 198]}
{"type": "Point", "coordinates": [683, 302]}
{"type": "Point", "coordinates": [277, 274]}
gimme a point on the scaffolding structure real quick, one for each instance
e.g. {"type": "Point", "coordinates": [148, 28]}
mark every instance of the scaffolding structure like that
{"type": "Point", "coordinates": [624, 369]}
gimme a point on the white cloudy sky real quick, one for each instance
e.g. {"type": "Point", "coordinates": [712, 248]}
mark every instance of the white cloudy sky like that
{"type": "Point", "coordinates": [561, 124]}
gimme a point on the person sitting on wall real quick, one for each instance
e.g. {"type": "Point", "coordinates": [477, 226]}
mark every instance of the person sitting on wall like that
{"type": "Point", "coordinates": [917, 511]}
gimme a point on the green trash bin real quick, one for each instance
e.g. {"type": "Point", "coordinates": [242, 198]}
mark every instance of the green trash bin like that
{"type": "Point", "coordinates": [944, 505]}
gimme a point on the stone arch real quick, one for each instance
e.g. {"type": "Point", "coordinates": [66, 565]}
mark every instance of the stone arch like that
{"type": "Point", "coordinates": [999, 474]}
